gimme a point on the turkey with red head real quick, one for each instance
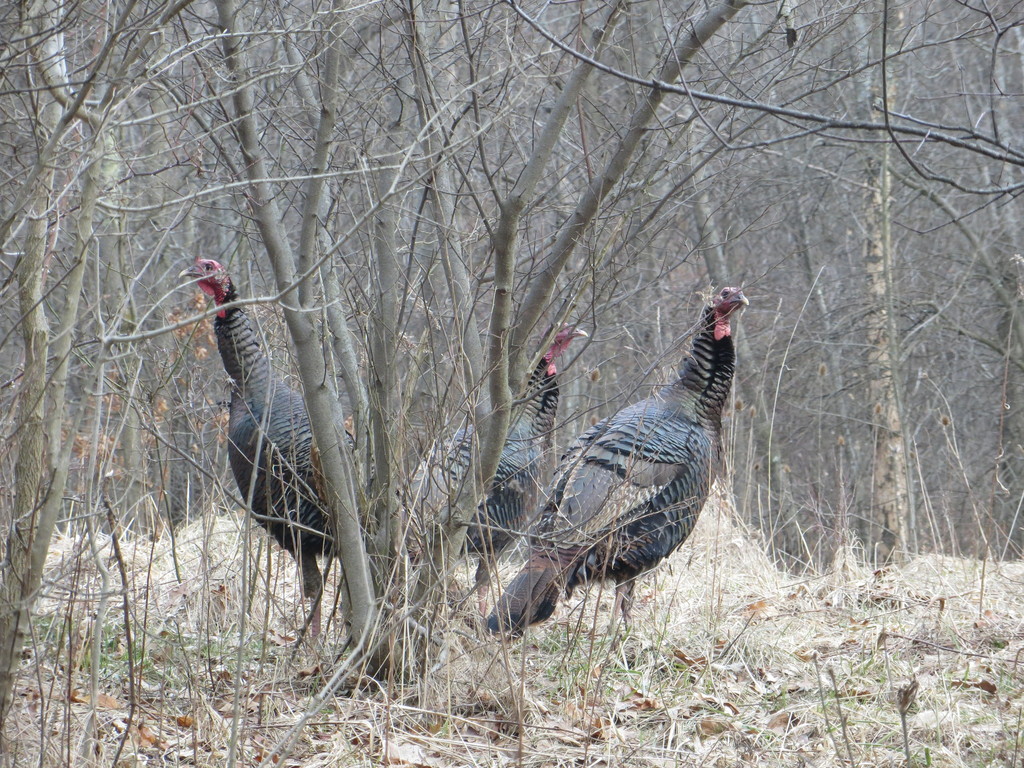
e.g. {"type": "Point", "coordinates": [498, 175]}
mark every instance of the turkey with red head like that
{"type": "Point", "coordinates": [628, 491]}
{"type": "Point", "coordinates": [513, 492]}
{"type": "Point", "coordinates": [269, 432]}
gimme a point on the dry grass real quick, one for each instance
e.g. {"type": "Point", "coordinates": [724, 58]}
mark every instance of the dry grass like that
{"type": "Point", "coordinates": [729, 662]}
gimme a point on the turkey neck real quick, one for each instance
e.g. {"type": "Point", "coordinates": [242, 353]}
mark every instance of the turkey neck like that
{"type": "Point", "coordinates": [706, 375]}
{"type": "Point", "coordinates": [542, 400]}
{"type": "Point", "coordinates": [240, 349]}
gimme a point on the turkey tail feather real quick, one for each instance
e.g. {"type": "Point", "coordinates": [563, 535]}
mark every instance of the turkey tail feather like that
{"type": "Point", "coordinates": [530, 597]}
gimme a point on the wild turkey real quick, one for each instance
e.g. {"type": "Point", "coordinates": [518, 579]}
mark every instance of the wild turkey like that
{"type": "Point", "coordinates": [516, 483]}
{"type": "Point", "coordinates": [628, 491]}
{"type": "Point", "coordinates": [269, 429]}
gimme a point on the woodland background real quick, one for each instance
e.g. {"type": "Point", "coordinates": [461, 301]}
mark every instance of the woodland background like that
{"type": "Point", "coordinates": [414, 192]}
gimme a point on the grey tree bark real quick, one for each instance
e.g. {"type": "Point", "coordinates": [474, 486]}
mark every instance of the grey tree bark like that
{"type": "Point", "coordinates": [321, 396]}
{"type": "Point", "coordinates": [43, 454]}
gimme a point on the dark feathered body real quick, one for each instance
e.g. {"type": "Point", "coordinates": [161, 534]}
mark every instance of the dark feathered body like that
{"type": "Point", "coordinates": [515, 489]}
{"type": "Point", "coordinates": [628, 491]}
{"type": "Point", "coordinates": [513, 492]}
{"type": "Point", "coordinates": [268, 429]}
{"type": "Point", "coordinates": [270, 440]}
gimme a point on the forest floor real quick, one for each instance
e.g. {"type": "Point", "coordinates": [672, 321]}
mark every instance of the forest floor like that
{"type": "Point", "coordinates": [729, 661]}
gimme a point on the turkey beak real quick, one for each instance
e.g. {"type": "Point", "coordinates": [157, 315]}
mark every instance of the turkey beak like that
{"type": "Point", "coordinates": [190, 272]}
{"type": "Point", "coordinates": [579, 333]}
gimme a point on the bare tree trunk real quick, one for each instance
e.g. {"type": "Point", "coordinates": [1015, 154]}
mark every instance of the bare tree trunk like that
{"type": "Point", "coordinates": [490, 414]}
{"type": "Point", "coordinates": [320, 393]}
{"type": "Point", "coordinates": [890, 508]}
{"type": "Point", "coordinates": [1006, 275]}
{"type": "Point", "coordinates": [889, 498]}
{"type": "Point", "coordinates": [129, 503]}
{"type": "Point", "coordinates": [506, 231]}
{"type": "Point", "coordinates": [43, 456]}
{"type": "Point", "coordinates": [316, 211]}
{"type": "Point", "coordinates": [543, 284]}
{"type": "Point", "coordinates": [29, 536]}
{"type": "Point", "coordinates": [382, 380]}
{"type": "Point", "coordinates": [1009, 483]}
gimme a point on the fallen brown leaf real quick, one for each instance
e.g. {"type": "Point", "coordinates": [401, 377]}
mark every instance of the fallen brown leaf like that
{"type": "Point", "coordinates": [986, 685]}
{"type": "Point", "coordinates": [857, 693]}
{"type": "Point", "coordinates": [224, 706]}
{"type": "Point", "coordinates": [147, 738]}
{"type": "Point", "coordinates": [603, 728]}
{"type": "Point", "coordinates": [781, 722]}
{"type": "Point", "coordinates": [723, 705]}
{"type": "Point", "coordinates": [280, 640]}
{"type": "Point", "coordinates": [608, 728]}
{"type": "Point", "coordinates": [566, 732]}
{"type": "Point", "coordinates": [694, 662]}
{"type": "Point", "coordinates": [756, 607]}
{"type": "Point", "coordinates": [403, 755]}
{"type": "Point", "coordinates": [644, 703]}
{"type": "Point", "coordinates": [987, 619]}
{"type": "Point", "coordinates": [710, 726]}
{"type": "Point", "coordinates": [399, 754]}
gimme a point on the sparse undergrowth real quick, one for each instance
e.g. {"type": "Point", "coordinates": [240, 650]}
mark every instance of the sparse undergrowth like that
{"type": "Point", "coordinates": [729, 662]}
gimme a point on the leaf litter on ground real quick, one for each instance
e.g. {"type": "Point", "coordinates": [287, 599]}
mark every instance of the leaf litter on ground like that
{"type": "Point", "coordinates": [729, 661]}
